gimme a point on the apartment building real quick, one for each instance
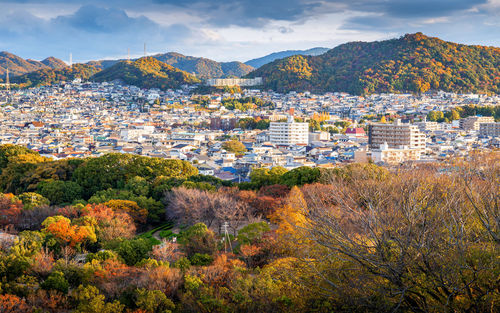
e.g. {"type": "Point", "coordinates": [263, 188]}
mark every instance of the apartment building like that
{"type": "Point", "coordinates": [474, 122]}
{"type": "Point", "coordinates": [396, 135]}
{"type": "Point", "coordinates": [289, 132]}
{"type": "Point", "coordinates": [395, 155]}
{"type": "Point", "coordinates": [489, 129]}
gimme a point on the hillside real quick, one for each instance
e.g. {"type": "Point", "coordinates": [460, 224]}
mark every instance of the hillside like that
{"type": "Point", "coordinates": [47, 76]}
{"type": "Point", "coordinates": [258, 62]}
{"type": "Point", "coordinates": [413, 63]}
{"type": "Point", "coordinates": [146, 72]}
{"type": "Point", "coordinates": [19, 66]}
{"type": "Point", "coordinates": [202, 67]}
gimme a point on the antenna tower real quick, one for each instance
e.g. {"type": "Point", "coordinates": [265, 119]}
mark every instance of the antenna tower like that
{"type": "Point", "coordinates": [144, 49]}
{"type": "Point", "coordinates": [128, 53]}
{"type": "Point", "coordinates": [71, 60]}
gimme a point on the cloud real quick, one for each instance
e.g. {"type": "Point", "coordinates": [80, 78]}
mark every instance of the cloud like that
{"type": "Point", "coordinates": [90, 32]}
{"type": "Point", "coordinates": [235, 29]}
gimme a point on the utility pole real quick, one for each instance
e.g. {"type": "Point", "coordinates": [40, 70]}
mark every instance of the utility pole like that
{"type": "Point", "coordinates": [7, 82]}
{"type": "Point", "coordinates": [226, 237]}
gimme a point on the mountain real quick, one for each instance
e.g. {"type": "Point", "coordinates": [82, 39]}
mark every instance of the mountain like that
{"type": "Point", "coordinates": [284, 54]}
{"type": "Point", "coordinates": [19, 66]}
{"type": "Point", "coordinates": [54, 63]}
{"type": "Point", "coordinates": [412, 63]}
{"type": "Point", "coordinates": [146, 72]}
{"type": "Point", "coordinates": [50, 76]}
{"type": "Point", "coordinates": [202, 67]}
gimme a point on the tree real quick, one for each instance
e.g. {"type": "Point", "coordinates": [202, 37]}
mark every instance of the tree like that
{"type": "Point", "coordinates": [153, 301]}
{"type": "Point", "coordinates": [198, 239]}
{"type": "Point", "coordinates": [265, 177]}
{"type": "Point", "coordinates": [10, 209]}
{"type": "Point", "coordinates": [60, 192]}
{"type": "Point", "coordinates": [252, 232]}
{"type": "Point", "coordinates": [7, 151]}
{"type": "Point", "coordinates": [133, 251]}
{"type": "Point", "coordinates": [91, 301]}
{"type": "Point", "coordinates": [111, 225]}
{"type": "Point", "coordinates": [300, 176]}
{"type": "Point", "coordinates": [234, 146]}
{"type": "Point", "coordinates": [64, 233]}
{"type": "Point", "coordinates": [33, 200]}
{"type": "Point", "coordinates": [13, 304]}
{"type": "Point", "coordinates": [130, 207]}
{"type": "Point", "coordinates": [56, 281]}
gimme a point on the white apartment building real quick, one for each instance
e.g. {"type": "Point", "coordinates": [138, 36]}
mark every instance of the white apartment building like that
{"type": "Point", "coordinates": [394, 155]}
{"type": "Point", "coordinates": [289, 132]}
{"type": "Point", "coordinates": [396, 135]}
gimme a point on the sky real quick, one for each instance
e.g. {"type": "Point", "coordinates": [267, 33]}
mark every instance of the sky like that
{"type": "Point", "coordinates": [230, 30]}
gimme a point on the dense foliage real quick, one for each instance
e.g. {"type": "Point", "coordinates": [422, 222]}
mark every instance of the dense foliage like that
{"type": "Point", "coordinates": [357, 238]}
{"type": "Point", "coordinates": [46, 77]}
{"type": "Point", "coordinates": [413, 63]}
{"type": "Point", "coordinates": [146, 72]}
{"type": "Point", "coordinates": [202, 67]}
{"type": "Point", "coordinates": [19, 66]}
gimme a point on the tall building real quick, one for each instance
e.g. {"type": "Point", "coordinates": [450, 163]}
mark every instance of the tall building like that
{"type": "Point", "coordinates": [289, 132]}
{"type": "Point", "coordinates": [474, 122]}
{"type": "Point", "coordinates": [396, 135]}
{"type": "Point", "coordinates": [489, 129]}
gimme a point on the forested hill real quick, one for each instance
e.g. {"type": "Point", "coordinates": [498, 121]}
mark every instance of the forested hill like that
{"type": "Point", "coordinates": [284, 54]}
{"type": "Point", "coordinates": [19, 66]}
{"type": "Point", "coordinates": [202, 67]}
{"type": "Point", "coordinates": [413, 63]}
{"type": "Point", "coordinates": [46, 77]}
{"type": "Point", "coordinates": [146, 72]}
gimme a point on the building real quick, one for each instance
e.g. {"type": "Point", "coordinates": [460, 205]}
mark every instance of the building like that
{"type": "Point", "coordinates": [473, 122]}
{"type": "Point", "coordinates": [355, 132]}
{"type": "Point", "coordinates": [245, 82]}
{"type": "Point", "coordinates": [396, 135]}
{"type": "Point", "coordinates": [427, 126]}
{"type": "Point", "coordinates": [489, 129]}
{"type": "Point", "coordinates": [395, 155]}
{"type": "Point", "coordinates": [319, 136]}
{"type": "Point", "coordinates": [221, 123]}
{"type": "Point", "coordinates": [289, 132]}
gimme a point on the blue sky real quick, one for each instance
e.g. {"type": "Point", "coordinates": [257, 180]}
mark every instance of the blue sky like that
{"type": "Point", "coordinates": [231, 30]}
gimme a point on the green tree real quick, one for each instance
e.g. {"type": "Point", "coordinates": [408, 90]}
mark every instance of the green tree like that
{"type": "Point", "coordinates": [133, 251]}
{"type": "Point", "coordinates": [56, 281]}
{"type": "Point", "coordinates": [33, 200]}
{"type": "Point", "coordinates": [300, 176]}
{"type": "Point", "coordinates": [59, 192]}
{"type": "Point", "coordinates": [153, 301]}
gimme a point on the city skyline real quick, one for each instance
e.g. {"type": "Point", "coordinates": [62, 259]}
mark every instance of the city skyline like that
{"type": "Point", "coordinates": [239, 30]}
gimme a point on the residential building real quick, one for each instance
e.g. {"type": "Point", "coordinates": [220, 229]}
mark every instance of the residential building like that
{"type": "Point", "coordinates": [489, 129]}
{"type": "Point", "coordinates": [289, 132]}
{"type": "Point", "coordinates": [396, 135]}
{"type": "Point", "coordinates": [473, 122]}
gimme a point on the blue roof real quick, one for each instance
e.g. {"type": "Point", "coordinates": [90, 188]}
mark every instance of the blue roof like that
{"type": "Point", "coordinates": [230, 169]}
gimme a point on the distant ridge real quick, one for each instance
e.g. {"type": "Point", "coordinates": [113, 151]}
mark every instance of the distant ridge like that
{"type": "Point", "coordinates": [412, 63]}
{"type": "Point", "coordinates": [146, 72]}
{"type": "Point", "coordinates": [19, 66]}
{"type": "Point", "coordinates": [258, 62]}
{"type": "Point", "coordinates": [49, 76]}
{"type": "Point", "coordinates": [202, 67]}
